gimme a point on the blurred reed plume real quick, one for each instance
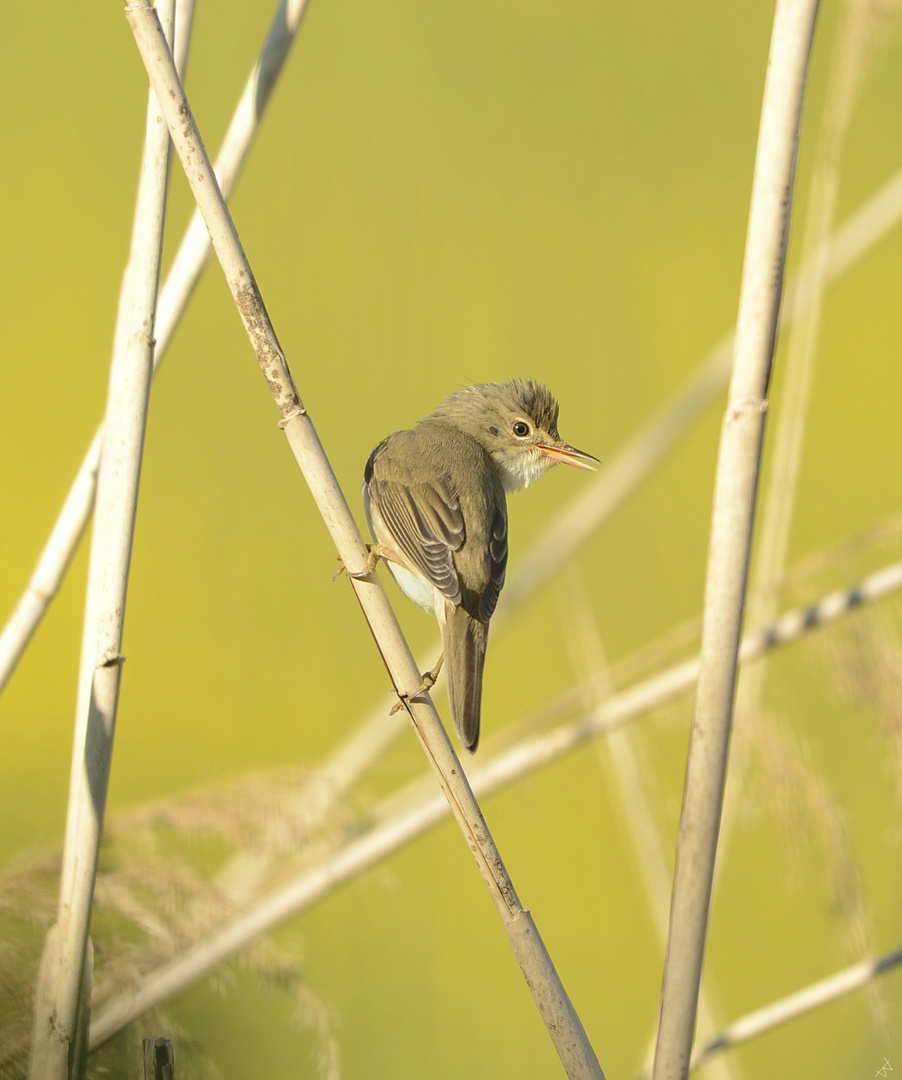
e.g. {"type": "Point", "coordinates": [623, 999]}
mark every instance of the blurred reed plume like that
{"type": "Point", "coordinates": [159, 891]}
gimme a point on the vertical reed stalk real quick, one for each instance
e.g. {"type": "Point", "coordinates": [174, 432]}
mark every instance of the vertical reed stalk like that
{"type": "Point", "coordinates": [731, 529]}
{"type": "Point", "coordinates": [562, 1022]}
{"type": "Point", "coordinates": [62, 1006]}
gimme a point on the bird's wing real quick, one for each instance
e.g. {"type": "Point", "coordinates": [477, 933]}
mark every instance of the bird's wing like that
{"type": "Point", "coordinates": [497, 559]}
{"type": "Point", "coordinates": [426, 524]}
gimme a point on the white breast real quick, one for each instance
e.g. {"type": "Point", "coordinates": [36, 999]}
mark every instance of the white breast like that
{"type": "Point", "coordinates": [423, 593]}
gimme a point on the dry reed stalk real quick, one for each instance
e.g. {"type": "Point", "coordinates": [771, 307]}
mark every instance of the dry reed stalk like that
{"type": "Point", "coordinates": [189, 262]}
{"type": "Point", "coordinates": [731, 530]}
{"type": "Point", "coordinates": [62, 1004]}
{"type": "Point", "coordinates": [562, 1022]}
{"type": "Point", "coordinates": [798, 1004]}
{"type": "Point", "coordinates": [404, 816]}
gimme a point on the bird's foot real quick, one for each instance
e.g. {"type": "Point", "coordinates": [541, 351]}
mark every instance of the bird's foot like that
{"type": "Point", "coordinates": [429, 680]}
{"type": "Point", "coordinates": [374, 552]}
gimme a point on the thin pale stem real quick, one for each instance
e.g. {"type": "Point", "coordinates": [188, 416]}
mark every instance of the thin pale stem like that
{"type": "Point", "coordinates": [731, 530]}
{"type": "Point", "coordinates": [409, 814]}
{"type": "Point", "coordinates": [62, 1006]}
{"type": "Point", "coordinates": [795, 1005]}
{"type": "Point", "coordinates": [564, 1027]}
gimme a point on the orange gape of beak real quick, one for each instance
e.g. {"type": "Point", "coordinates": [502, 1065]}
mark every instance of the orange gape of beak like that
{"type": "Point", "coordinates": [569, 455]}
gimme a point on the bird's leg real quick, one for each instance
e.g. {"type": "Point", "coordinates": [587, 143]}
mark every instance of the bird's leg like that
{"type": "Point", "coordinates": [429, 680]}
{"type": "Point", "coordinates": [374, 552]}
{"type": "Point", "coordinates": [431, 677]}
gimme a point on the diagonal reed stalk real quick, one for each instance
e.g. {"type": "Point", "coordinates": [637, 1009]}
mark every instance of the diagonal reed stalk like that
{"type": "Point", "coordinates": [798, 1004]}
{"type": "Point", "coordinates": [404, 816]}
{"type": "Point", "coordinates": [735, 492]}
{"type": "Point", "coordinates": [562, 1022]}
{"type": "Point", "coordinates": [184, 274]}
{"type": "Point", "coordinates": [791, 1007]}
{"type": "Point", "coordinates": [62, 1005]}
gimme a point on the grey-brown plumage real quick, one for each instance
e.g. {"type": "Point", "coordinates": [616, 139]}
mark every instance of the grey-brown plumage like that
{"type": "Point", "coordinates": [435, 499]}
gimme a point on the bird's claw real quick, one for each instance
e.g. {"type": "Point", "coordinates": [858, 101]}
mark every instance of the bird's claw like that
{"type": "Point", "coordinates": [429, 680]}
{"type": "Point", "coordinates": [374, 552]}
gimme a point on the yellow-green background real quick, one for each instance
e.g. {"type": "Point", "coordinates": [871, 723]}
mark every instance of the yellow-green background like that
{"type": "Point", "coordinates": [442, 193]}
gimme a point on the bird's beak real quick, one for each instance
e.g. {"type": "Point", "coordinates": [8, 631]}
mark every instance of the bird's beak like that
{"type": "Point", "coordinates": [569, 455]}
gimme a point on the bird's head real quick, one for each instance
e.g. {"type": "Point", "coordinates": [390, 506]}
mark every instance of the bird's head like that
{"type": "Point", "coordinates": [516, 422]}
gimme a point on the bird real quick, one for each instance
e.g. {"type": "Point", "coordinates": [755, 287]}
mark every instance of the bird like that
{"type": "Point", "coordinates": [435, 498]}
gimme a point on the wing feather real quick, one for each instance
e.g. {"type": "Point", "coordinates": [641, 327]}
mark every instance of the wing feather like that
{"type": "Point", "coordinates": [426, 525]}
{"type": "Point", "coordinates": [497, 558]}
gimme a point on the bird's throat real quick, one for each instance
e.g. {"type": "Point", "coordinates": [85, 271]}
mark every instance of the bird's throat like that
{"type": "Point", "coordinates": [520, 466]}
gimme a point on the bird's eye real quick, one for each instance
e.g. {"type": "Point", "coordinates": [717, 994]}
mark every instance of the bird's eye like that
{"type": "Point", "coordinates": [520, 428]}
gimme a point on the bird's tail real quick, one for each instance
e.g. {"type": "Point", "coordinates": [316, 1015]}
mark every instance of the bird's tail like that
{"type": "Point", "coordinates": [464, 639]}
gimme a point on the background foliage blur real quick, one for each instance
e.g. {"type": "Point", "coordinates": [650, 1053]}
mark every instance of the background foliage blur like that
{"type": "Point", "coordinates": [441, 194]}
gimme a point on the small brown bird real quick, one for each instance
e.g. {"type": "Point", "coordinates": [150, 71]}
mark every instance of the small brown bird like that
{"type": "Point", "coordinates": [434, 498]}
